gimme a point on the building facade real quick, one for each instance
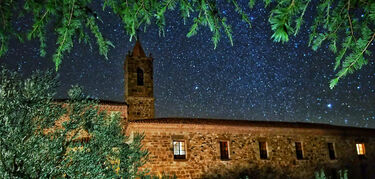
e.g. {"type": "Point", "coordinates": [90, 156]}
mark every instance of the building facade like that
{"type": "Point", "coordinates": [214, 148]}
{"type": "Point", "coordinates": [217, 148]}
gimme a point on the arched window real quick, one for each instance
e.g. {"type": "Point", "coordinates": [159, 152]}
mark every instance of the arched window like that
{"type": "Point", "coordinates": [139, 77]}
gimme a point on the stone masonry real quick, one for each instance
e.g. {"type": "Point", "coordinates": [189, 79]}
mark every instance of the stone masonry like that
{"type": "Point", "coordinates": [202, 138]}
{"type": "Point", "coordinates": [140, 97]}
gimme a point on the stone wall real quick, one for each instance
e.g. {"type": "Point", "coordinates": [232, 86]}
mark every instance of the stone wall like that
{"type": "Point", "coordinates": [141, 107]}
{"type": "Point", "coordinates": [203, 150]}
{"type": "Point", "coordinates": [122, 108]}
{"type": "Point", "coordinates": [117, 107]}
{"type": "Point", "coordinates": [108, 106]}
{"type": "Point", "coordinates": [139, 97]}
{"type": "Point", "coordinates": [130, 67]}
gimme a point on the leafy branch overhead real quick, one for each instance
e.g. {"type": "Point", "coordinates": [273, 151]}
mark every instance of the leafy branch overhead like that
{"type": "Point", "coordinates": [345, 26]}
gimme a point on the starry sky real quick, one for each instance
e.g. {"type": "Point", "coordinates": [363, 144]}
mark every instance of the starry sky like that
{"type": "Point", "coordinates": [256, 79]}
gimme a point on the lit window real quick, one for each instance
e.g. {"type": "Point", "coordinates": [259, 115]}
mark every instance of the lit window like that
{"type": "Point", "coordinates": [139, 77]}
{"type": "Point", "coordinates": [224, 150]}
{"type": "Point", "coordinates": [179, 151]}
{"type": "Point", "coordinates": [299, 151]}
{"type": "Point", "coordinates": [331, 151]}
{"type": "Point", "coordinates": [263, 150]}
{"type": "Point", "coordinates": [361, 149]}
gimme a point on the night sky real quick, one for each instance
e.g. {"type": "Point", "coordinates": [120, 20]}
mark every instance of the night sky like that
{"type": "Point", "coordinates": [256, 79]}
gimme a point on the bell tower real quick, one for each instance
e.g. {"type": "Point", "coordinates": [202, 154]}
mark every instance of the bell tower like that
{"type": "Point", "coordinates": [139, 84]}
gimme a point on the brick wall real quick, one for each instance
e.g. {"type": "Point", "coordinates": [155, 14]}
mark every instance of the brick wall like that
{"type": "Point", "coordinates": [203, 149]}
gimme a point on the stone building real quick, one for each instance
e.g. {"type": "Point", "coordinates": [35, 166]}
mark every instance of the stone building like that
{"type": "Point", "coordinates": [216, 148]}
{"type": "Point", "coordinates": [139, 86]}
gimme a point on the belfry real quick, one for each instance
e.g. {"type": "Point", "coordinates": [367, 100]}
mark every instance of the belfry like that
{"type": "Point", "coordinates": [139, 85]}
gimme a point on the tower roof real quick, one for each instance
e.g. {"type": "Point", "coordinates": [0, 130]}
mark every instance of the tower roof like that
{"type": "Point", "coordinates": [138, 50]}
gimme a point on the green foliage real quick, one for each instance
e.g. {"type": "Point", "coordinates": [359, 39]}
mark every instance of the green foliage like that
{"type": "Point", "coordinates": [286, 18]}
{"type": "Point", "coordinates": [251, 3]}
{"type": "Point", "coordinates": [342, 174]}
{"type": "Point", "coordinates": [344, 26]}
{"type": "Point", "coordinates": [70, 19]}
{"type": "Point", "coordinates": [335, 20]}
{"type": "Point", "coordinates": [6, 30]}
{"type": "Point", "coordinates": [26, 108]}
{"type": "Point", "coordinates": [32, 145]}
{"type": "Point", "coordinates": [320, 175]}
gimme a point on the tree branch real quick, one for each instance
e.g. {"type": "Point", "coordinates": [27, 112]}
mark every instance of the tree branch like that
{"type": "Point", "coordinates": [66, 31]}
{"type": "Point", "coordinates": [44, 15]}
{"type": "Point", "coordinates": [2, 17]}
{"type": "Point", "coordinates": [142, 7]}
{"type": "Point", "coordinates": [363, 51]}
{"type": "Point", "coordinates": [350, 23]}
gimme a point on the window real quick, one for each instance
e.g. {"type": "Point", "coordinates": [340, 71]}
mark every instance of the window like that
{"type": "Point", "coordinates": [139, 77]}
{"type": "Point", "coordinates": [179, 151]}
{"type": "Point", "coordinates": [361, 149]}
{"type": "Point", "coordinates": [331, 151]}
{"type": "Point", "coordinates": [299, 151]}
{"type": "Point", "coordinates": [263, 150]}
{"type": "Point", "coordinates": [224, 150]}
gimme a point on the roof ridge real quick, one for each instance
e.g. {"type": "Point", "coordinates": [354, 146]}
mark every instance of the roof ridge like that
{"type": "Point", "coordinates": [182, 120]}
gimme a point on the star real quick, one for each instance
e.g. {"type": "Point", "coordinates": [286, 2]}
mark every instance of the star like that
{"type": "Point", "coordinates": [255, 79]}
